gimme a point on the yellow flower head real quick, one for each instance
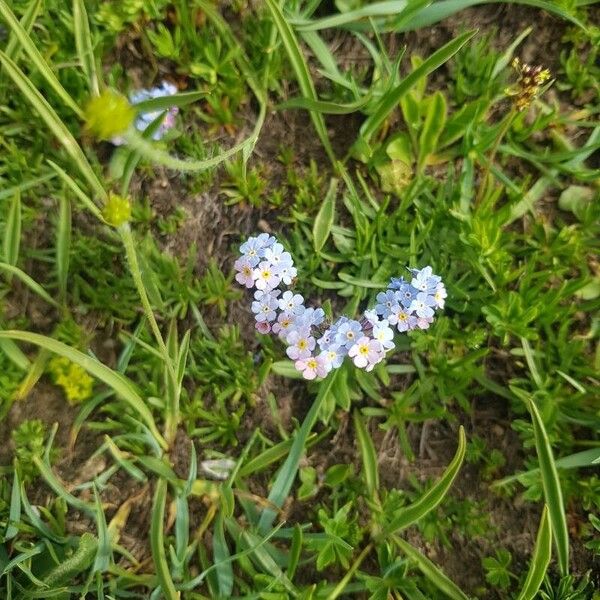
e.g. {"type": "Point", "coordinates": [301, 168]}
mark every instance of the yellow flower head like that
{"type": "Point", "coordinates": [72, 378]}
{"type": "Point", "coordinates": [108, 115]}
{"type": "Point", "coordinates": [117, 210]}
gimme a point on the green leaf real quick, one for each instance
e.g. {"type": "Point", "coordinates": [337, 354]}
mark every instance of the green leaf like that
{"type": "Point", "coordinates": [552, 490]}
{"type": "Point", "coordinates": [301, 71]}
{"type": "Point", "coordinates": [157, 542]}
{"type": "Point", "coordinates": [368, 455]}
{"type": "Point", "coordinates": [84, 45]}
{"type": "Point", "coordinates": [56, 126]}
{"type": "Point", "coordinates": [444, 8]}
{"type": "Point", "coordinates": [119, 383]}
{"type": "Point", "coordinates": [63, 244]}
{"type": "Point", "coordinates": [375, 9]}
{"type": "Point", "coordinates": [69, 568]}
{"type": "Point", "coordinates": [13, 48]}
{"type": "Point", "coordinates": [12, 231]}
{"type": "Point", "coordinates": [435, 121]}
{"type": "Point", "coordinates": [29, 282]}
{"type": "Point", "coordinates": [390, 100]}
{"type": "Point", "coordinates": [540, 559]}
{"type": "Point", "coordinates": [221, 555]}
{"type": "Point", "coordinates": [14, 513]}
{"type": "Point", "coordinates": [433, 573]}
{"type": "Point", "coordinates": [325, 216]}
{"type": "Point", "coordinates": [37, 59]}
{"type": "Point", "coordinates": [426, 503]}
{"type": "Point", "coordinates": [165, 102]}
{"type": "Point", "coordinates": [322, 106]}
{"type": "Point", "coordinates": [287, 474]}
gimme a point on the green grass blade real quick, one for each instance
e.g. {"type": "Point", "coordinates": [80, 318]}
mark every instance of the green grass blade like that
{"type": "Point", "coordinates": [166, 102]}
{"type": "Point", "coordinates": [301, 71]}
{"type": "Point", "coordinates": [442, 9]}
{"type": "Point", "coordinates": [368, 455]}
{"type": "Point", "coordinates": [74, 187]}
{"type": "Point", "coordinates": [157, 542]}
{"type": "Point", "coordinates": [14, 354]}
{"type": "Point", "coordinates": [59, 489]}
{"type": "Point", "coordinates": [325, 216]}
{"type": "Point", "coordinates": [415, 511]}
{"type": "Point", "coordinates": [33, 285]}
{"type": "Point", "coordinates": [63, 244]}
{"type": "Point", "coordinates": [552, 490]}
{"type": "Point", "coordinates": [431, 572]}
{"type": "Point", "coordinates": [221, 553]}
{"type": "Point", "coordinates": [322, 106]}
{"type": "Point", "coordinates": [14, 513]}
{"type": "Point", "coordinates": [392, 8]}
{"type": "Point", "coordinates": [540, 559]}
{"type": "Point", "coordinates": [122, 386]}
{"type": "Point", "coordinates": [12, 231]}
{"type": "Point", "coordinates": [390, 101]}
{"type": "Point", "coordinates": [85, 47]}
{"type": "Point", "coordinates": [27, 184]}
{"type": "Point", "coordinates": [13, 48]}
{"type": "Point", "coordinates": [36, 58]}
{"type": "Point", "coordinates": [287, 474]}
{"type": "Point", "coordinates": [54, 123]}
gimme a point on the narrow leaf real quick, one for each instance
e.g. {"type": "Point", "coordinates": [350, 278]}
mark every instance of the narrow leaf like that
{"type": "Point", "coordinates": [157, 542]}
{"type": "Point", "coordinates": [287, 474]}
{"type": "Point", "coordinates": [85, 48]}
{"type": "Point", "coordinates": [36, 58]}
{"type": "Point", "coordinates": [56, 126]}
{"type": "Point", "coordinates": [301, 70]}
{"type": "Point", "coordinates": [552, 490]}
{"type": "Point", "coordinates": [368, 455]}
{"type": "Point", "coordinates": [12, 231]}
{"type": "Point", "coordinates": [29, 282]}
{"type": "Point", "coordinates": [63, 244]}
{"type": "Point", "coordinates": [122, 386]}
{"type": "Point", "coordinates": [390, 101]}
{"type": "Point", "coordinates": [540, 559]}
{"type": "Point", "coordinates": [324, 219]}
{"type": "Point", "coordinates": [221, 555]}
{"type": "Point", "coordinates": [433, 573]}
{"type": "Point", "coordinates": [426, 503]}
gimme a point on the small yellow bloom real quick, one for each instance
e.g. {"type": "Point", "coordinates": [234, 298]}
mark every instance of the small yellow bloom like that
{"type": "Point", "coordinates": [74, 380]}
{"type": "Point", "coordinates": [108, 115]}
{"type": "Point", "coordinates": [117, 210]}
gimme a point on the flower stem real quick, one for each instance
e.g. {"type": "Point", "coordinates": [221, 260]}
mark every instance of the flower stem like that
{"type": "Point", "coordinates": [172, 416]}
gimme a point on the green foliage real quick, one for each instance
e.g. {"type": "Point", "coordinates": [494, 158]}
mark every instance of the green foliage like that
{"type": "Point", "coordinates": [29, 441]}
{"type": "Point", "coordinates": [427, 165]}
{"type": "Point", "coordinates": [497, 571]}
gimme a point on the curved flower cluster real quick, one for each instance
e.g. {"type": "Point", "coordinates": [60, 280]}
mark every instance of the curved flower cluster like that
{"type": "Point", "coordinates": [144, 119]}
{"type": "Point", "coordinates": [315, 346]}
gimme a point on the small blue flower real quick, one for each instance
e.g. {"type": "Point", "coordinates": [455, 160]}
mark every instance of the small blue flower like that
{"type": "Point", "coordinates": [422, 305]}
{"type": "Point", "coordinates": [425, 281]}
{"type": "Point", "coordinates": [385, 301]}
{"type": "Point", "coordinates": [348, 333]}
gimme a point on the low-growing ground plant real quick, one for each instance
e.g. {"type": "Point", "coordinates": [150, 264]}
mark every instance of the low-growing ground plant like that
{"type": "Point", "coordinates": [299, 300]}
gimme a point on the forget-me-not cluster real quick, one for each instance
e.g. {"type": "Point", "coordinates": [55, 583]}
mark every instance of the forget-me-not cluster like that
{"type": "Point", "coordinates": [317, 346]}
